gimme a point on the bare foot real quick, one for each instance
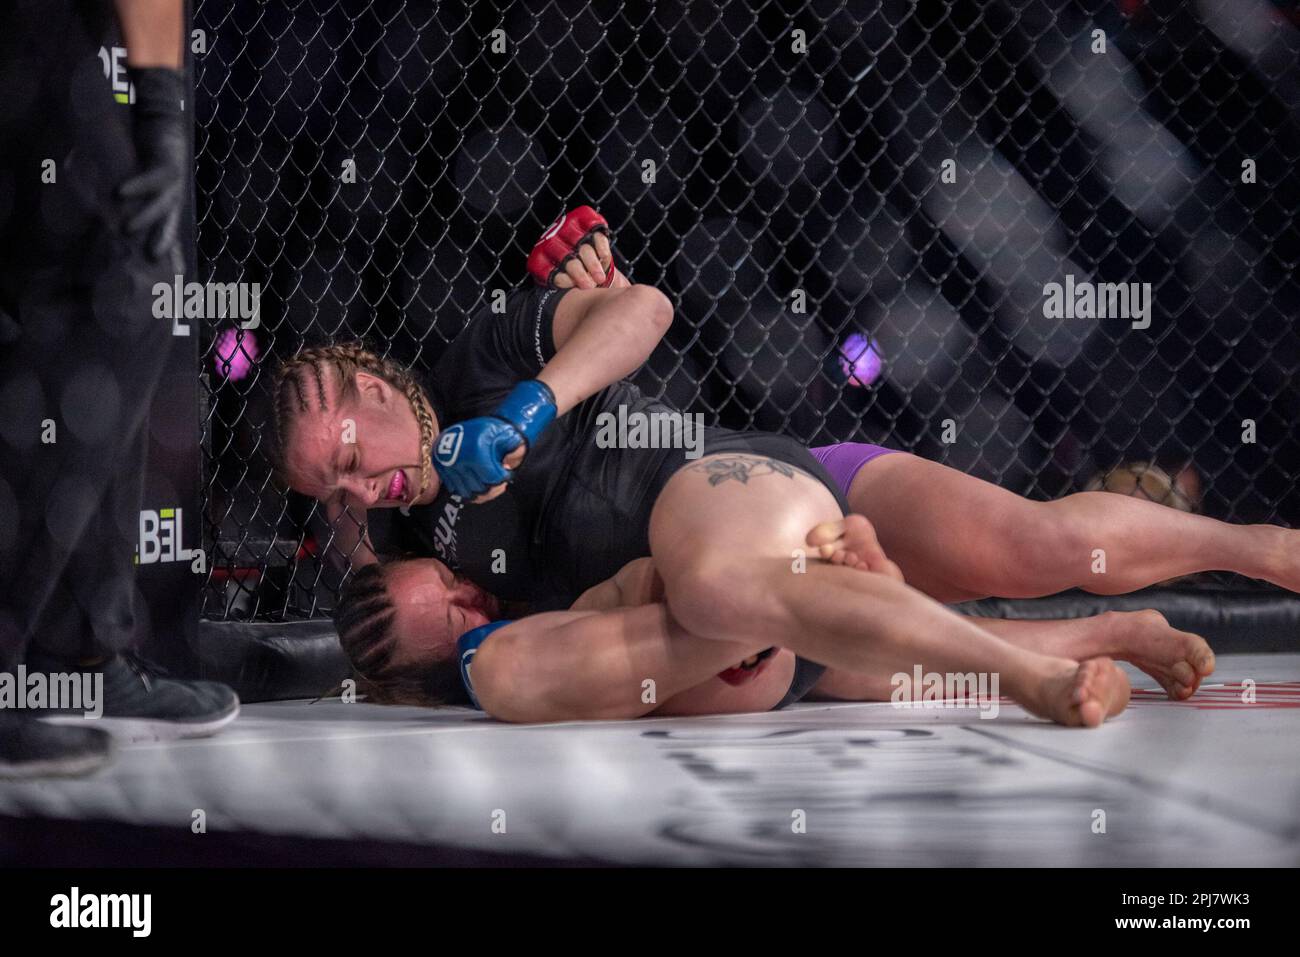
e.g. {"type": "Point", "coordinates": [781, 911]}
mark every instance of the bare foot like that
{"type": "Point", "coordinates": [1082, 695]}
{"type": "Point", "coordinates": [851, 541]}
{"type": "Point", "coordinates": [1179, 660]}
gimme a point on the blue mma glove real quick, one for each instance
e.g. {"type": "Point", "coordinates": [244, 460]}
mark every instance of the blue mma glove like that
{"type": "Point", "coordinates": [467, 645]}
{"type": "Point", "coordinates": [468, 456]}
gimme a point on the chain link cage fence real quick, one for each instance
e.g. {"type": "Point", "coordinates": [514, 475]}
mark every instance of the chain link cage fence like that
{"type": "Point", "coordinates": [860, 210]}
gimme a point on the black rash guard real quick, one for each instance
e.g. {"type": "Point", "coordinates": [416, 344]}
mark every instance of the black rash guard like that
{"type": "Point", "coordinates": [575, 513]}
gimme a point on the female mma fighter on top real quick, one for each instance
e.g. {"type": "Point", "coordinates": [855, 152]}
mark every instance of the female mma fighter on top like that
{"type": "Point", "coordinates": [721, 529]}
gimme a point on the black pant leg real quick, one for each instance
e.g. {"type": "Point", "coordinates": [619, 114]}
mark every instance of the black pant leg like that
{"type": "Point", "coordinates": [87, 357]}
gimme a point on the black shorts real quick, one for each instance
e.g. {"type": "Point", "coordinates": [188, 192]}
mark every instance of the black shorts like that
{"type": "Point", "coordinates": [768, 444]}
{"type": "Point", "coordinates": [792, 452]}
{"type": "Point", "coordinates": [806, 674]}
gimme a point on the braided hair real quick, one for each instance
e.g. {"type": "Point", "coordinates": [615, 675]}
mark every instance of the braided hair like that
{"type": "Point", "coordinates": [299, 385]}
{"type": "Point", "coordinates": [364, 620]}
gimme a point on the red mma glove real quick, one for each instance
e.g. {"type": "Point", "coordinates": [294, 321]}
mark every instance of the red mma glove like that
{"type": "Point", "coordinates": [561, 241]}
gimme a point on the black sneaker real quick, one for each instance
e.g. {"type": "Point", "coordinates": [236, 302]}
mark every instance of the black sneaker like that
{"type": "Point", "coordinates": [34, 749]}
{"type": "Point", "coordinates": [142, 702]}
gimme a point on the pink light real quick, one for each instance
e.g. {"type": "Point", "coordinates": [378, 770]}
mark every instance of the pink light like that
{"type": "Point", "coordinates": [234, 353]}
{"type": "Point", "coordinates": [860, 360]}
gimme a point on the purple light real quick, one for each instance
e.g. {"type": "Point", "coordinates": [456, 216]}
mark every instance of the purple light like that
{"type": "Point", "coordinates": [235, 351]}
{"type": "Point", "coordinates": [860, 360]}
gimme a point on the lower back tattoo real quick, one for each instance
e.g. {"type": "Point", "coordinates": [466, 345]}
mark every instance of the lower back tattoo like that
{"type": "Point", "coordinates": [741, 468]}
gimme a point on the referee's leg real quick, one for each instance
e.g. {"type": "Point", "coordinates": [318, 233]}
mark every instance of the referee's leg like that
{"type": "Point", "coordinates": [81, 357]}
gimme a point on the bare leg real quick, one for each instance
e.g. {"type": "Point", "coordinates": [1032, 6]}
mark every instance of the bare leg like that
{"type": "Point", "coordinates": [725, 534]}
{"type": "Point", "coordinates": [1178, 660]}
{"type": "Point", "coordinates": [957, 537]}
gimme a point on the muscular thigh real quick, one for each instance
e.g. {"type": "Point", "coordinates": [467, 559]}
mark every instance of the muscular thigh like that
{"type": "Point", "coordinates": [715, 696]}
{"type": "Point", "coordinates": [951, 534]}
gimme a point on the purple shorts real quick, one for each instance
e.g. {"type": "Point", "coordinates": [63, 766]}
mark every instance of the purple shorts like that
{"type": "Point", "coordinates": [844, 459]}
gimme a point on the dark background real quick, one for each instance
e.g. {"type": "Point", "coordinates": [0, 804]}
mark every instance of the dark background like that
{"type": "Point", "coordinates": [776, 171]}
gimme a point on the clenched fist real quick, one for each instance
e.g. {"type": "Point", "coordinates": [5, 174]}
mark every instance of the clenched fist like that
{"type": "Point", "coordinates": [574, 252]}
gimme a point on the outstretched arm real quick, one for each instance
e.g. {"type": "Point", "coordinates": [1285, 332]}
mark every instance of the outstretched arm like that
{"type": "Point", "coordinates": [569, 666]}
{"type": "Point", "coordinates": [152, 30]}
{"type": "Point", "coordinates": [155, 196]}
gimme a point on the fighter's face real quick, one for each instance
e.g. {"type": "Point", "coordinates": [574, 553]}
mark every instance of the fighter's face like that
{"type": "Point", "coordinates": [434, 608]}
{"type": "Point", "coordinates": [362, 449]}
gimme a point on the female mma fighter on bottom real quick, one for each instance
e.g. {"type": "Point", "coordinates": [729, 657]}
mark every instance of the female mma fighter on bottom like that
{"type": "Point", "coordinates": [721, 528]}
{"type": "Point", "coordinates": [398, 622]}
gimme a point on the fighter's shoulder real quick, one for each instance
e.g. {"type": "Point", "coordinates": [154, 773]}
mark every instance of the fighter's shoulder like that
{"type": "Point", "coordinates": [526, 307]}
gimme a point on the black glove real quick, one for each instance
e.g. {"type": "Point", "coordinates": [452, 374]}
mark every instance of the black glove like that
{"type": "Point", "coordinates": [156, 195]}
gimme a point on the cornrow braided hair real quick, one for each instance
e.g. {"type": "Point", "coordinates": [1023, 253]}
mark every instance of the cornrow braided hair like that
{"type": "Point", "coordinates": [299, 387]}
{"type": "Point", "coordinates": [364, 619]}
